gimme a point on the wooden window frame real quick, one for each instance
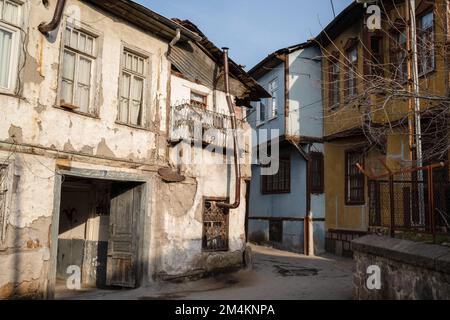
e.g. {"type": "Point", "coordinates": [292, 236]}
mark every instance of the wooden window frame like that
{"type": "Point", "coordinates": [352, 68]}
{"type": "Point", "coordinates": [14, 28]}
{"type": "Point", "coordinates": [195, 103]}
{"type": "Point", "coordinates": [398, 54]}
{"type": "Point", "coordinates": [320, 188]}
{"type": "Point", "coordinates": [334, 82]}
{"type": "Point", "coordinates": [357, 175]}
{"type": "Point", "coordinates": [79, 54]}
{"type": "Point", "coordinates": [268, 182]}
{"type": "Point", "coordinates": [429, 54]}
{"type": "Point", "coordinates": [145, 77]}
{"type": "Point", "coordinates": [377, 59]}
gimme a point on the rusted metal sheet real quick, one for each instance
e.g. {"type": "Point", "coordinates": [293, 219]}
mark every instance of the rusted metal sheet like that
{"type": "Point", "coordinates": [195, 65]}
{"type": "Point", "coordinates": [169, 175]}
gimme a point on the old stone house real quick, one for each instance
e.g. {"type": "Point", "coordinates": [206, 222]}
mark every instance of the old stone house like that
{"type": "Point", "coordinates": [89, 154]}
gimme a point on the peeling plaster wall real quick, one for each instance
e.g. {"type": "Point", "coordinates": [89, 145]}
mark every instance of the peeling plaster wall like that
{"type": "Point", "coordinates": [34, 133]}
{"type": "Point", "coordinates": [34, 120]}
{"type": "Point", "coordinates": [178, 251]}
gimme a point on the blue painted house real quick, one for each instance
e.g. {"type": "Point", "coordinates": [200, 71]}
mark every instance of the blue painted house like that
{"type": "Point", "coordinates": [291, 122]}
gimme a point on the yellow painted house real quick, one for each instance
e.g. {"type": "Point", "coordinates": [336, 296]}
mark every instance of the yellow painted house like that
{"type": "Point", "coordinates": [367, 105]}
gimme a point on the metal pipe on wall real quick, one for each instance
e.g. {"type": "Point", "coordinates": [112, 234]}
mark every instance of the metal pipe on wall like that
{"type": "Point", "coordinates": [45, 28]}
{"type": "Point", "coordinates": [237, 198]}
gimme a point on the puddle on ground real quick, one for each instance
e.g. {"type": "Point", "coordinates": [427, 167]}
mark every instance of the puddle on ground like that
{"type": "Point", "coordinates": [292, 271]}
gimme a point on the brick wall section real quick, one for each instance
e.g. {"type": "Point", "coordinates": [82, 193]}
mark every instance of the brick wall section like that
{"type": "Point", "coordinates": [339, 242]}
{"type": "Point", "coordinates": [409, 270]}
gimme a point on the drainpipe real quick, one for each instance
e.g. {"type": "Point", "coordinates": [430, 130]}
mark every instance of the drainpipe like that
{"type": "Point", "coordinates": [45, 28]}
{"type": "Point", "coordinates": [308, 222]}
{"type": "Point", "coordinates": [237, 197]}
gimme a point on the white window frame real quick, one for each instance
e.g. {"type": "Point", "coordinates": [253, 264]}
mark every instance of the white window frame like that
{"type": "Point", "coordinates": [259, 121]}
{"type": "Point", "coordinates": [8, 197]}
{"type": "Point", "coordinates": [92, 108]}
{"type": "Point", "coordinates": [146, 80]}
{"type": "Point", "coordinates": [273, 109]}
{"type": "Point", "coordinates": [15, 49]}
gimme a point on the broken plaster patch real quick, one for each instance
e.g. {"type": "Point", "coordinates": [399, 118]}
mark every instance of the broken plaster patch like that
{"type": "Point", "coordinates": [103, 150]}
{"type": "Point", "coordinates": [15, 134]}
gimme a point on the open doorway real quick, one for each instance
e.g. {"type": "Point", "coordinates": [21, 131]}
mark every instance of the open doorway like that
{"type": "Point", "coordinates": [99, 232]}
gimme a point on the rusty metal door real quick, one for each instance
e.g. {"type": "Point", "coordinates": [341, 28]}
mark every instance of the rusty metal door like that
{"type": "Point", "coordinates": [122, 265]}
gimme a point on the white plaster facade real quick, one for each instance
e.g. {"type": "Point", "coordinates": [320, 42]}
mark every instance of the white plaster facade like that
{"type": "Point", "coordinates": [39, 140]}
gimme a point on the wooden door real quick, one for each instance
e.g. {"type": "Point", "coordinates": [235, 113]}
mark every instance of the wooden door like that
{"type": "Point", "coordinates": [122, 262]}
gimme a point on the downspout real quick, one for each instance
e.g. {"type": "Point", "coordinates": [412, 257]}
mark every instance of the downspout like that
{"type": "Point", "coordinates": [307, 223]}
{"type": "Point", "coordinates": [45, 28]}
{"type": "Point", "coordinates": [237, 198]}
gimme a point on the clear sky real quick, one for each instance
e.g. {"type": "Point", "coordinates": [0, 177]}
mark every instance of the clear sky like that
{"type": "Point", "coordinates": [252, 28]}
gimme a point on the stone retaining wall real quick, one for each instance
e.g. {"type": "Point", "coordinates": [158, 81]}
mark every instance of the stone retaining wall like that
{"type": "Point", "coordinates": [409, 270]}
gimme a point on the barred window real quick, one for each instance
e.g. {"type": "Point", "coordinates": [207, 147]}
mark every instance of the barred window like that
{"type": "Point", "coordinates": [280, 182]}
{"type": "Point", "coordinates": [215, 227]}
{"type": "Point", "coordinates": [355, 180]}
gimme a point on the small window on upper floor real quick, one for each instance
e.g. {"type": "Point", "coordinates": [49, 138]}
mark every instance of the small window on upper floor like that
{"type": "Point", "coordinates": [261, 112]}
{"type": "Point", "coordinates": [10, 20]}
{"type": "Point", "coordinates": [334, 83]}
{"type": "Point", "coordinates": [133, 81]}
{"type": "Point", "coordinates": [352, 72]}
{"type": "Point", "coordinates": [78, 61]}
{"type": "Point", "coordinates": [399, 55]}
{"type": "Point", "coordinates": [377, 56]}
{"type": "Point", "coordinates": [425, 42]}
{"type": "Point", "coordinates": [274, 100]}
{"type": "Point", "coordinates": [199, 99]}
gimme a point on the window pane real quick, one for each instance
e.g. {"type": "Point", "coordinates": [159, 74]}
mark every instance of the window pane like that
{"type": "Point", "coordinates": [84, 81]}
{"type": "Point", "coordinates": [11, 12]}
{"type": "Point", "coordinates": [124, 99]}
{"type": "Point", "coordinates": [67, 36]}
{"type": "Point", "coordinates": [5, 57]}
{"type": "Point", "coordinates": [90, 45]}
{"type": "Point", "coordinates": [83, 93]}
{"type": "Point", "coordinates": [84, 71]}
{"type": "Point", "coordinates": [137, 101]}
{"type": "Point", "coordinates": [68, 65]}
{"type": "Point", "coordinates": [67, 91]}
{"type": "Point", "coordinates": [82, 44]}
{"type": "Point", "coordinates": [74, 39]}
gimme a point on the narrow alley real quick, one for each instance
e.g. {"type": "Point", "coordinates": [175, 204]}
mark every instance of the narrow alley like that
{"type": "Point", "coordinates": [275, 275]}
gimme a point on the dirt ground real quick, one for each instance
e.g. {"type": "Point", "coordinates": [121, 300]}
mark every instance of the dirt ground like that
{"type": "Point", "coordinates": [276, 275]}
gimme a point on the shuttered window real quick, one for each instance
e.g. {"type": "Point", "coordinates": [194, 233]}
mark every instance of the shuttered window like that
{"type": "Point", "coordinates": [132, 89]}
{"type": "Point", "coordinates": [77, 68]}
